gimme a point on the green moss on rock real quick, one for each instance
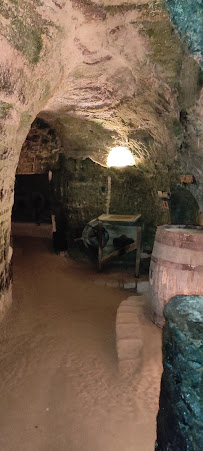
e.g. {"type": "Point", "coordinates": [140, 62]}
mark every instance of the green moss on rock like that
{"type": "Point", "coordinates": [179, 420]}
{"type": "Point", "coordinates": [5, 109]}
{"type": "Point", "coordinates": [25, 119]}
{"type": "Point", "coordinates": [187, 15]}
{"type": "Point", "coordinates": [124, 7]}
{"type": "Point", "coordinates": [26, 27]}
{"type": "Point", "coordinates": [191, 80]}
{"type": "Point", "coordinates": [81, 186]}
{"type": "Point", "coordinates": [177, 130]}
{"type": "Point", "coordinates": [166, 47]}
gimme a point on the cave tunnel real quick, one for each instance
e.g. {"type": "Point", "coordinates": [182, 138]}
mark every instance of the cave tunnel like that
{"type": "Point", "coordinates": [31, 202]}
{"type": "Point", "coordinates": [93, 249]}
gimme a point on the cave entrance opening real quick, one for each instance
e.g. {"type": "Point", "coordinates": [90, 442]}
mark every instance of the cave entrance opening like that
{"type": "Point", "coordinates": [31, 213]}
{"type": "Point", "coordinates": [32, 199]}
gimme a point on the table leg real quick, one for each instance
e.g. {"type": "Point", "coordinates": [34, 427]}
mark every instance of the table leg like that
{"type": "Point", "coordinates": [137, 265]}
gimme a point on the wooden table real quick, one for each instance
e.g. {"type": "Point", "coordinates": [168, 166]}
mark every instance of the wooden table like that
{"type": "Point", "coordinates": [113, 224]}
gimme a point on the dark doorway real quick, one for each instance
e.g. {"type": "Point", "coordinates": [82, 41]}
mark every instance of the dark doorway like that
{"type": "Point", "coordinates": [32, 199]}
{"type": "Point", "coordinates": [184, 208]}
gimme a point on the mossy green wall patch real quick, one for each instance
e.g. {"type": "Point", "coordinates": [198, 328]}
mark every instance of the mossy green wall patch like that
{"type": "Point", "coordinates": [26, 27]}
{"type": "Point", "coordinates": [187, 15]}
{"type": "Point", "coordinates": [81, 186]}
{"type": "Point", "coordinates": [125, 6]}
{"type": "Point", "coordinates": [166, 47]}
{"type": "Point", "coordinates": [5, 109]}
{"type": "Point", "coordinates": [25, 119]}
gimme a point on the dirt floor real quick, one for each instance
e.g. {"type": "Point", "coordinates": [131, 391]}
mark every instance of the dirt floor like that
{"type": "Point", "coordinates": [60, 384]}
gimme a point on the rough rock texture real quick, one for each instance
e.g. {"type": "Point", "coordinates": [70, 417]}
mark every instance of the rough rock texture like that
{"type": "Point", "coordinates": [82, 187]}
{"type": "Point", "coordinates": [188, 16]}
{"type": "Point", "coordinates": [40, 151]}
{"type": "Point", "coordinates": [190, 157]}
{"type": "Point", "coordinates": [180, 417]}
{"type": "Point", "coordinates": [101, 73]}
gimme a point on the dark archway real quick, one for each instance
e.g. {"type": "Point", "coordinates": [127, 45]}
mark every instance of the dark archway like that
{"type": "Point", "coordinates": [184, 208]}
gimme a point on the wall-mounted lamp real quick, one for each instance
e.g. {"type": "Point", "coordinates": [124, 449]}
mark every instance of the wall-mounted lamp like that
{"type": "Point", "coordinates": [120, 157]}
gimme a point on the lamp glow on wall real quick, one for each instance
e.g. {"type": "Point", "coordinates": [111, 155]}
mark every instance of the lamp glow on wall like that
{"type": "Point", "coordinates": [118, 157]}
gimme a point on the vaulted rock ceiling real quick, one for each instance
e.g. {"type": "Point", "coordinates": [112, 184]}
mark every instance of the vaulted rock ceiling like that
{"type": "Point", "coordinates": [102, 73]}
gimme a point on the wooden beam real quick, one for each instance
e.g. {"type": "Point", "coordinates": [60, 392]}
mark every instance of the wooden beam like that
{"type": "Point", "coordinates": [122, 251]}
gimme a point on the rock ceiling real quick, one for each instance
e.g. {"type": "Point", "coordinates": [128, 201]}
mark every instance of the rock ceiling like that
{"type": "Point", "coordinates": [102, 73]}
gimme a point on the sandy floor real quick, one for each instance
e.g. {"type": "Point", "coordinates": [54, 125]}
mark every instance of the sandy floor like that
{"type": "Point", "coordinates": [60, 385]}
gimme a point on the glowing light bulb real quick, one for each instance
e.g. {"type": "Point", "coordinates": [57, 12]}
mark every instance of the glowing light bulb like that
{"type": "Point", "coordinates": [120, 157]}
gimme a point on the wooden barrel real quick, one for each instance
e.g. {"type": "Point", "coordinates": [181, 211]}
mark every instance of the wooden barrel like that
{"type": "Point", "coordinates": [176, 266]}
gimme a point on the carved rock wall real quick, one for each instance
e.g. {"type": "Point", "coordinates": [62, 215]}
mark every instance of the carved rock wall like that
{"type": "Point", "coordinates": [101, 73]}
{"type": "Point", "coordinates": [180, 417]}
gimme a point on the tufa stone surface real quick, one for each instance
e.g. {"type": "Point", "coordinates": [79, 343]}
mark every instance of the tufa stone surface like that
{"type": "Point", "coordinates": [188, 17]}
{"type": "Point", "coordinates": [101, 73]}
{"type": "Point", "coordinates": [40, 151]}
{"type": "Point", "coordinates": [180, 417]}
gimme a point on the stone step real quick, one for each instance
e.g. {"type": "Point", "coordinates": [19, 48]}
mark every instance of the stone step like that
{"type": "Point", "coordinates": [127, 331]}
{"type": "Point", "coordinates": [129, 335]}
{"type": "Point", "coordinates": [129, 348]}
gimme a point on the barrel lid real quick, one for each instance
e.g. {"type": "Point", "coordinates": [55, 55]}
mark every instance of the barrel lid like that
{"type": "Point", "coordinates": [183, 236]}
